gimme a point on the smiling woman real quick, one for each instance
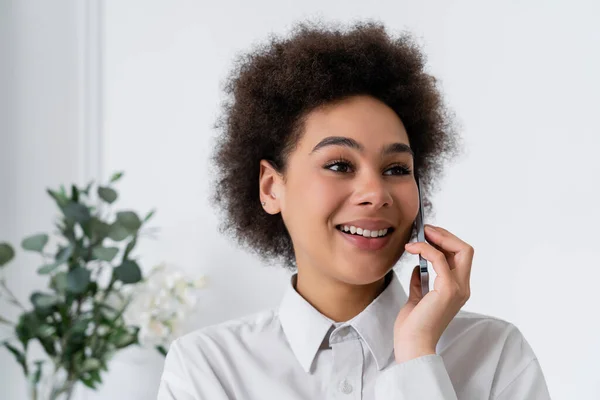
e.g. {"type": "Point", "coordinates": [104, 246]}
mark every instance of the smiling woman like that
{"type": "Point", "coordinates": [322, 139]}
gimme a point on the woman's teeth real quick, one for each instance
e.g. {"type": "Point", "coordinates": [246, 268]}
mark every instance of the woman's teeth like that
{"type": "Point", "coordinates": [362, 232]}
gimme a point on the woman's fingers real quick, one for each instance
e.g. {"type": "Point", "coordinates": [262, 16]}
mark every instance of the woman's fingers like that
{"type": "Point", "coordinates": [450, 256]}
{"type": "Point", "coordinates": [434, 256]}
{"type": "Point", "coordinates": [461, 253]}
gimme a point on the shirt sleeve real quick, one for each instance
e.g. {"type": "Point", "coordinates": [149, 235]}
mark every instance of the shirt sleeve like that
{"type": "Point", "coordinates": [530, 384]}
{"type": "Point", "coordinates": [519, 375]}
{"type": "Point", "coordinates": [188, 380]}
{"type": "Point", "coordinates": [420, 378]}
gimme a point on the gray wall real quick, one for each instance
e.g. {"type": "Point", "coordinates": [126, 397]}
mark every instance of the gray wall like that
{"type": "Point", "coordinates": [39, 137]}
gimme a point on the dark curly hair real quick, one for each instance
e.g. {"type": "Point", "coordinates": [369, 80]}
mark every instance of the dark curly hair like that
{"type": "Point", "coordinates": [275, 86]}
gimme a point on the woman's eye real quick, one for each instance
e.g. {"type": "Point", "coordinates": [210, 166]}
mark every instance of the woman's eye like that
{"type": "Point", "coordinates": [399, 170]}
{"type": "Point", "coordinates": [342, 166]}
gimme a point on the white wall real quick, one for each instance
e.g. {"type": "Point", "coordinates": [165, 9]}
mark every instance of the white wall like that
{"type": "Point", "coordinates": [43, 89]}
{"type": "Point", "coordinates": [521, 77]}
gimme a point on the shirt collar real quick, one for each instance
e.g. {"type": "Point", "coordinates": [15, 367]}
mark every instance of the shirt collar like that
{"type": "Point", "coordinates": [305, 327]}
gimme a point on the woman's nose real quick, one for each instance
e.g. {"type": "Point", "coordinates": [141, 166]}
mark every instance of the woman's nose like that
{"type": "Point", "coordinates": [373, 191]}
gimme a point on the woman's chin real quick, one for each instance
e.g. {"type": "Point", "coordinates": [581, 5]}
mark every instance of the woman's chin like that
{"type": "Point", "coordinates": [362, 272]}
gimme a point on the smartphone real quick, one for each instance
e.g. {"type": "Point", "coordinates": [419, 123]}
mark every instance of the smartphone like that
{"type": "Point", "coordinates": [421, 238]}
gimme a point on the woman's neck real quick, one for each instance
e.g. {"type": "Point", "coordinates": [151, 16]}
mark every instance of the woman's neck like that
{"type": "Point", "coordinates": [337, 300]}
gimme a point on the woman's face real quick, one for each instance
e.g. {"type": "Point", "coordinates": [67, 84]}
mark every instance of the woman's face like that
{"type": "Point", "coordinates": [350, 168]}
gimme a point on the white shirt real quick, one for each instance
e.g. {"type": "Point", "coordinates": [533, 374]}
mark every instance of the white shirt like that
{"type": "Point", "coordinates": [294, 352]}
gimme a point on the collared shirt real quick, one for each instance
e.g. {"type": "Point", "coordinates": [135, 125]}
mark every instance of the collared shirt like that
{"type": "Point", "coordinates": [294, 352]}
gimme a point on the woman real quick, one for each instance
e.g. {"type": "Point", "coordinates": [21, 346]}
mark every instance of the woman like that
{"type": "Point", "coordinates": [316, 171]}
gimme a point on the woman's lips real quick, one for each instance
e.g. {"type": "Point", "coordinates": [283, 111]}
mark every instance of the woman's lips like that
{"type": "Point", "coordinates": [364, 243]}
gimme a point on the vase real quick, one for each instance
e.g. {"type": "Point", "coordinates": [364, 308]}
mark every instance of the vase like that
{"type": "Point", "coordinates": [51, 386]}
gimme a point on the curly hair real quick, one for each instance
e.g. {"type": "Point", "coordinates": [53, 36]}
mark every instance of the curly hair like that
{"type": "Point", "coordinates": [273, 88]}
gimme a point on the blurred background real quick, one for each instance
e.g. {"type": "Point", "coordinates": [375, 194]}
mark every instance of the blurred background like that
{"type": "Point", "coordinates": [91, 87]}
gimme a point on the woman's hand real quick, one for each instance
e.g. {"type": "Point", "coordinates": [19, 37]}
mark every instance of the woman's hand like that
{"type": "Point", "coordinates": [421, 322]}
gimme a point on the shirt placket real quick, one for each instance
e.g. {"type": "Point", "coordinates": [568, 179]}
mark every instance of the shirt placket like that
{"type": "Point", "coordinates": [346, 377]}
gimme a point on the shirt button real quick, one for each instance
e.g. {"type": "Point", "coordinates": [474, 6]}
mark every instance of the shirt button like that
{"type": "Point", "coordinates": [345, 387]}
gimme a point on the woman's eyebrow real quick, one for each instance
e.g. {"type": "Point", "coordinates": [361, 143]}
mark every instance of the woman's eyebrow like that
{"type": "Point", "coordinates": [392, 148]}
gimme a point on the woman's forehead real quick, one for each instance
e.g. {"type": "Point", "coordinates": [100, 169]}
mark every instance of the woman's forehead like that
{"type": "Point", "coordinates": [365, 121]}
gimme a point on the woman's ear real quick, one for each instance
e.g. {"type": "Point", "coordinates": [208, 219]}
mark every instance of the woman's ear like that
{"type": "Point", "coordinates": [270, 184]}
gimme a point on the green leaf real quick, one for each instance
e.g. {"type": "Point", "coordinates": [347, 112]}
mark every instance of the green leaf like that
{"type": "Point", "coordinates": [35, 242]}
{"type": "Point", "coordinates": [149, 215]}
{"type": "Point", "coordinates": [46, 331]}
{"type": "Point", "coordinates": [59, 282]}
{"type": "Point", "coordinates": [86, 191]}
{"type": "Point", "coordinates": [47, 268]}
{"type": "Point", "coordinates": [19, 355]}
{"type": "Point", "coordinates": [129, 220]}
{"type": "Point", "coordinates": [162, 350]}
{"type": "Point", "coordinates": [129, 248]}
{"type": "Point", "coordinates": [26, 327]}
{"type": "Point", "coordinates": [77, 212]}
{"type": "Point", "coordinates": [116, 176]}
{"type": "Point", "coordinates": [90, 364]}
{"type": "Point", "coordinates": [107, 194]}
{"type": "Point", "coordinates": [105, 253]}
{"type": "Point", "coordinates": [61, 199]}
{"type": "Point", "coordinates": [74, 193]}
{"type": "Point", "coordinates": [98, 229]}
{"type": "Point", "coordinates": [118, 232]}
{"type": "Point", "coordinates": [62, 256]}
{"type": "Point", "coordinates": [64, 253]}
{"type": "Point", "coordinates": [80, 326]}
{"type": "Point", "coordinates": [128, 272]}
{"type": "Point", "coordinates": [123, 338]}
{"type": "Point", "coordinates": [6, 253]}
{"type": "Point", "coordinates": [88, 381]}
{"type": "Point", "coordinates": [78, 279]}
{"type": "Point", "coordinates": [43, 300]}
{"type": "Point", "coordinates": [38, 371]}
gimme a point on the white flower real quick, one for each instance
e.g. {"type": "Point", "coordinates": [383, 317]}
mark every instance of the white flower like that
{"type": "Point", "coordinates": [161, 303]}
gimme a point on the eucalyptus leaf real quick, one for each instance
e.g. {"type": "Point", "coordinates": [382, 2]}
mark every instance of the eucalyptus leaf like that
{"type": "Point", "coordinates": [118, 232]}
{"type": "Point", "coordinates": [64, 253]}
{"type": "Point", "coordinates": [19, 355]}
{"type": "Point", "coordinates": [98, 229]}
{"type": "Point", "coordinates": [59, 282]}
{"type": "Point", "coordinates": [78, 279]}
{"type": "Point", "coordinates": [123, 338]}
{"type": "Point", "coordinates": [162, 350]}
{"type": "Point", "coordinates": [86, 191]}
{"type": "Point", "coordinates": [129, 248]}
{"type": "Point", "coordinates": [35, 243]}
{"type": "Point", "coordinates": [61, 199]}
{"type": "Point", "coordinates": [62, 256]}
{"type": "Point", "coordinates": [77, 212]}
{"type": "Point", "coordinates": [80, 325]}
{"type": "Point", "coordinates": [46, 331]}
{"type": "Point", "coordinates": [105, 253]}
{"type": "Point", "coordinates": [116, 176]}
{"type": "Point", "coordinates": [149, 215]}
{"type": "Point", "coordinates": [107, 194]}
{"type": "Point", "coordinates": [47, 268]}
{"type": "Point", "coordinates": [6, 253]}
{"type": "Point", "coordinates": [74, 193]}
{"type": "Point", "coordinates": [90, 364]}
{"type": "Point", "coordinates": [43, 300]}
{"type": "Point", "coordinates": [129, 220]}
{"type": "Point", "coordinates": [128, 272]}
{"type": "Point", "coordinates": [26, 327]}
{"type": "Point", "coordinates": [38, 371]}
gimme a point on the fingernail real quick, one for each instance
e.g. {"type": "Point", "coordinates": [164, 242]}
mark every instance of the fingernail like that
{"type": "Point", "coordinates": [431, 228]}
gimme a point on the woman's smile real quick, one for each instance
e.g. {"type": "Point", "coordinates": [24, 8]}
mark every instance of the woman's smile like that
{"type": "Point", "coordinates": [365, 239]}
